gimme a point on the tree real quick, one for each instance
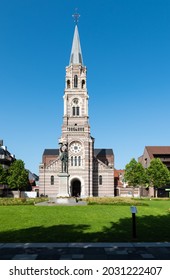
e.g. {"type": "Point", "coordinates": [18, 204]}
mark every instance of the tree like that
{"type": "Point", "coordinates": [135, 174]}
{"type": "Point", "coordinates": [18, 176]}
{"type": "Point", "coordinates": [158, 173]}
{"type": "Point", "coordinates": [3, 175]}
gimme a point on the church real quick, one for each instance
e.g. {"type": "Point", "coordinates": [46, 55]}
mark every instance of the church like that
{"type": "Point", "coordinates": [76, 168]}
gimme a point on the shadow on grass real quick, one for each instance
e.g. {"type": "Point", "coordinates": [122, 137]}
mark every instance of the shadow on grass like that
{"type": "Point", "coordinates": [149, 229]}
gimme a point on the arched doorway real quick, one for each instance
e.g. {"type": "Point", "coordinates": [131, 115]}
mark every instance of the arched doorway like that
{"type": "Point", "coordinates": [76, 188]}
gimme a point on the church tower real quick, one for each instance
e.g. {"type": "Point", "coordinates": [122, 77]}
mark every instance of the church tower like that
{"type": "Point", "coordinates": [89, 171]}
{"type": "Point", "coordinates": [76, 128]}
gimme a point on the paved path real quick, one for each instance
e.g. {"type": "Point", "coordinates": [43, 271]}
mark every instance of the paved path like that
{"type": "Point", "coordinates": [62, 202]}
{"type": "Point", "coordinates": [85, 251]}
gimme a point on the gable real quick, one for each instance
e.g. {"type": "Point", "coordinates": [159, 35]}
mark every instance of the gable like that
{"type": "Point", "coordinates": [104, 155]}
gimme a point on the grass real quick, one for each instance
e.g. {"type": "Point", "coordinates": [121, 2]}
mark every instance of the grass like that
{"type": "Point", "coordinates": [92, 223]}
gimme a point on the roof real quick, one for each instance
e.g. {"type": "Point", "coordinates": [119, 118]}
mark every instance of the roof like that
{"type": "Point", "coordinates": [104, 155]}
{"type": "Point", "coordinates": [32, 176]}
{"type": "Point", "coordinates": [158, 150]}
{"type": "Point", "coordinates": [51, 152]}
{"type": "Point", "coordinates": [97, 152]}
{"type": "Point", "coordinates": [76, 54]}
{"type": "Point", "coordinates": [118, 171]}
{"type": "Point", "coordinates": [4, 152]}
{"type": "Point", "coordinates": [103, 152]}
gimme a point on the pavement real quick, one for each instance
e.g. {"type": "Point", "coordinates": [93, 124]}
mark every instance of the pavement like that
{"type": "Point", "coordinates": [62, 202]}
{"type": "Point", "coordinates": [85, 251]}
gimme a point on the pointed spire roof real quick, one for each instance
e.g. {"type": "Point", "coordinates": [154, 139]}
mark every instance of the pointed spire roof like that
{"type": "Point", "coordinates": [76, 54]}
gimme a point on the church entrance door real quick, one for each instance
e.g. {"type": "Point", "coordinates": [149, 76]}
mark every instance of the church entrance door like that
{"type": "Point", "coordinates": [76, 188]}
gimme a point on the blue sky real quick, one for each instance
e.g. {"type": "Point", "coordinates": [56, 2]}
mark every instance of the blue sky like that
{"type": "Point", "coordinates": [126, 48]}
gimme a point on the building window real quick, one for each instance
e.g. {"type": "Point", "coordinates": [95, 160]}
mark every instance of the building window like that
{"type": "Point", "coordinates": [75, 161]}
{"type": "Point", "coordinates": [100, 180]}
{"type": "Point", "coordinates": [68, 83]}
{"type": "Point", "coordinates": [83, 84]}
{"type": "Point", "coordinates": [52, 180]}
{"type": "Point", "coordinates": [75, 81]}
{"type": "Point", "coordinates": [76, 111]}
{"type": "Point", "coordinates": [79, 161]}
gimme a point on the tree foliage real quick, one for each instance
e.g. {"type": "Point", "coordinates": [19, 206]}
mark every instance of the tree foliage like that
{"type": "Point", "coordinates": [3, 175]}
{"type": "Point", "coordinates": [158, 174]}
{"type": "Point", "coordinates": [18, 176]}
{"type": "Point", "coordinates": [135, 174]}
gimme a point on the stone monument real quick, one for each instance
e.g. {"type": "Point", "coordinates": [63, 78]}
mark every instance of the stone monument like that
{"type": "Point", "coordinates": [63, 175]}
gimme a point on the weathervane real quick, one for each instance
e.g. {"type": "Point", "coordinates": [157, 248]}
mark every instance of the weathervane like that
{"type": "Point", "coordinates": [76, 16]}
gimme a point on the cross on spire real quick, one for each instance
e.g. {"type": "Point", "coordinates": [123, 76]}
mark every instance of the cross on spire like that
{"type": "Point", "coordinates": [76, 16]}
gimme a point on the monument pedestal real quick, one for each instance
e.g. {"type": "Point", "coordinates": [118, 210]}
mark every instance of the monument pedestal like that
{"type": "Point", "coordinates": [63, 185]}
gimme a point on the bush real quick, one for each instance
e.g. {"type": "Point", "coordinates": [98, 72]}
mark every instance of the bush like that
{"type": "Point", "coordinates": [114, 201]}
{"type": "Point", "coordinates": [21, 201]}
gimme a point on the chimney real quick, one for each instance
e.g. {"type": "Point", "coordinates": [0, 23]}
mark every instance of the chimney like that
{"type": "Point", "coordinates": [1, 143]}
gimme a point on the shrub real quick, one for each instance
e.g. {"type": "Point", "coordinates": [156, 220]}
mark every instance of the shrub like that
{"type": "Point", "coordinates": [21, 201]}
{"type": "Point", "coordinates": [114, 201]}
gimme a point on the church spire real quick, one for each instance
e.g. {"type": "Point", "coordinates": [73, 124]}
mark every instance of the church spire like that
{"type": "Point", "coordinates": [76, 54]}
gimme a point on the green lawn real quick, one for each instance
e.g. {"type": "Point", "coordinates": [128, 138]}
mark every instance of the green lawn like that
{"type": "Point", "coordinates": [92, 223]}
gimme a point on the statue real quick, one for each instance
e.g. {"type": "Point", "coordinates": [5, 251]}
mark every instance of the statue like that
{"type": "Point", "coordinates": [64, 157]}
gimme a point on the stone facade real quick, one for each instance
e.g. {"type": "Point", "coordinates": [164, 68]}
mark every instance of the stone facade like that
{"type": "Point", "coordinates": [90, 171]}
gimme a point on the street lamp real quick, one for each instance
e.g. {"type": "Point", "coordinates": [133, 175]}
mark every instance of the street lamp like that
{"type": "Point", "coordinates": [133, 210]}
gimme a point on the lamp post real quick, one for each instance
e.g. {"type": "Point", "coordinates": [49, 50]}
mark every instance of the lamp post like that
{"type": "Point", "coordinates": [44, 179]}
{"type": "Point", "coordinates": [133, 210]}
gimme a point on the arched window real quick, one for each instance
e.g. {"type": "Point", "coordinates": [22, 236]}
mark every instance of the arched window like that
{"type": "Point", "coordinates": [83, 84]}
{"type": "Point", "coordinates": [68, 83]}
{"type": "Point", "coordinates": [75, 81]}
{"type": "Point", "coordinates": [79, 161]}
{"type": "Point", "coordinates": [52, 180]}
{"type": "Point", "coordinates": [74, 111]}
{"type": "Point", "coordinates": [75, 161]}
{"type": "Point", "coordinates": [77, 111]}
{"type": "Point", "coordinates": [100, 180]}
{"type": "Point", "coordinates": [71, 161]}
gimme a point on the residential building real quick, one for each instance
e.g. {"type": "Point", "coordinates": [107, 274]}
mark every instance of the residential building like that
{"type": "Point", "coordinates": [163, 153]}
{"type": "Point", "coordinates": [151, 152]}
{"type": "Point", "coordinates": [6, 158]}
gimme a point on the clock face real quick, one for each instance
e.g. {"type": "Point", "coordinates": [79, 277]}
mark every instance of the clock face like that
{"type": "Point", "coordinates": [75, 147]}
{"type": "Point", "coordinates": [75, 100]}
